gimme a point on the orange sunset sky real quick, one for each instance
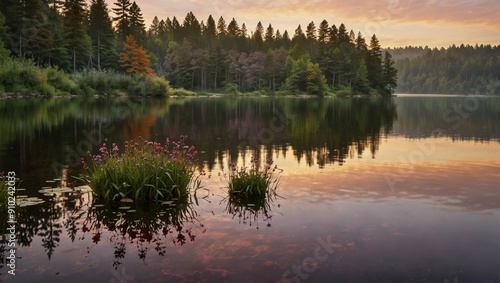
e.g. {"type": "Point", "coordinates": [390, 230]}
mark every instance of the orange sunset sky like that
{"type": "Point", "coordinates": [436, 23]}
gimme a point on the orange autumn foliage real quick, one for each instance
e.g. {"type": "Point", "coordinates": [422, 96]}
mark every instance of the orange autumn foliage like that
{"type": "Point", "coordinates": [134, 58]}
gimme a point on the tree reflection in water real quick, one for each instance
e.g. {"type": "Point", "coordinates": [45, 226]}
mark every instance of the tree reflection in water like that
{"type": "Point", "coordinates": [142, 224]}
{"type": "Point", "coordinates": [83, 218]}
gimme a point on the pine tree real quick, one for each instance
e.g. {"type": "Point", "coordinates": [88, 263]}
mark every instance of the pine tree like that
{"type": "Point", "coordinates": [176, 30]}
{"type": "Point", "coordinates": [311, 31]}
{"type": "Point", "coordinates": [343, 36]}
{"type": "Point", "coordinates": [37, 31]}
{"type": "Point", "coordinates": [137, 26]}
{"type": "Point", "coordinates": [323, 32]}
{"type": "Point", "coordinates": [4, 52]}
{"type": "Point", "coordinates": [374, 65]}
{"type": "Point", "coordinates": [154, 28]}
{"type": "Point", "coordinates": [390, 74]}
{"type": "Point", "coordinates": [360, 82]}
{"type": "Point", "coordinates": [101, 33]}
{"type": "Point", "coordinates": [334, 36]}
{"type": "Point", "coordinates": [221, 28]}
{"type": "Point", "coordinates": [192, 29]}
{"type": "Point", "coordinates": [269, 37]}
{"type": "Point", "coordinates": [75, 34]}
{"type": "Point", "coordinates": [210, 32]}
{"type": "Point", "coordinates": [122, 19]}
{"type": "Point", "coordinates": [134, 58]}
{"type": "Point", "coordinates": [257, 41]}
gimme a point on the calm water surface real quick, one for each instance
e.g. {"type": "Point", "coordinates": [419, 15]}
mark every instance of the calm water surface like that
{"type": "Point", "coordinates": [373, 190]}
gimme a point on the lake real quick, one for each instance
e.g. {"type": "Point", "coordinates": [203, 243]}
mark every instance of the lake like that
{"type": "Point", "coordinates": [373, 190]}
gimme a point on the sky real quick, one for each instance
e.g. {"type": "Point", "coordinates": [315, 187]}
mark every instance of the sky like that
{"type": "Point", "coordinates": [433, 23]}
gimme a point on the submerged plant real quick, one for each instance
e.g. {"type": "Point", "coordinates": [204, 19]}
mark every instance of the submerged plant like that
{"type": "Point", "coordinates": [145, 171]}
{"type": "Point", "coordinates": [253, 181]}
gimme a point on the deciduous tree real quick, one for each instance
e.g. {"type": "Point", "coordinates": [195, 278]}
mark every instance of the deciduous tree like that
{"type": "Point", "coordinates": [134, 58]}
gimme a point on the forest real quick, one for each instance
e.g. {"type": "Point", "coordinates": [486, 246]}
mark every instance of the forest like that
{"type": "Point", "coordinates": [79, 47]}
{"type": "Point", "coordinates": [463, 69]}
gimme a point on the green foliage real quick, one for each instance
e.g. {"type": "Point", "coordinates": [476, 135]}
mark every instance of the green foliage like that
{"type": "Point", "coordinates": [109, 82]}
{"type": "Point", "coordinates": [146, 171]}
{"type": "Point", "coordinates": [4, 53]}
{"type": "Point", "coordinates": [360, 82]}
{"type": "Point", "coordinates": [231, 88]}
{"type": "Point", "coordinates": [343, 92]}
{"type": "Point", "coordinates": [464, 69]}
{"type": "Point", "coordinates": [254, 181]}
{"type": "Point", "coordinates": [181, 92]}
{"type": "Point", "coordinates": [24, 77]}
{"type": "Point", "coordinates": [306, 77]}
{"type": "Point", "coordinates": [78, 36]}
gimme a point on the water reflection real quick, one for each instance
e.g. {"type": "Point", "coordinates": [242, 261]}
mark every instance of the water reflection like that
{"type": "Point", "coordinates": [142, 225]}
{"type": "Point", "coordinates": [41, 136]}
{"type": "Point", "coordinates": [78, 217]}
{"type": "Point", "coordinates": [251, 211]}
{"type": "Point", "coordinates": [439, 221]}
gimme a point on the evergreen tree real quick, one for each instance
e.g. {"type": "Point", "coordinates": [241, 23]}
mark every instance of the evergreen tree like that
{"type": "Point", "coordinates": [257, 41]}
{"type": "Point", "coordinates": [137, 26]}
{"type": "Point", "coordinates": [4, 52]}
{"type": "Point", "coordinates": [269, 37]}
{"type": "Point", "coordinates": [342, 35]}
{"type": "Point", "coordinates": [390, 74]}
{"type": "Point", "coordinates": [311, 31]}
{"type": "Point", "coordinates": [334, 36]}
{"type": "Point", "coordinates": [374, 65]}
{"type": "Point", "coordinates": [37, 31]}
{"type": "Point", "coordinates": [323, 32]}
{"type": "Point", "coordinates": [122, 19]}
{"type": "Point", "coordinates": [75, 33]}
{"type": "Point", "coordinates": [360, 82]}
{"type": "Point", "coordinates": [154, 28]}
{"type": "Point", "coordinates": [102, 34]}
{"type": "Point", "coordinates": [221, 28]}
{"type": "Point", "coordinates": [210, 32]}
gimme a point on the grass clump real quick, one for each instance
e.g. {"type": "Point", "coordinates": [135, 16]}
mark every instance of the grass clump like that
{"type": "Point", "coordinates": [254, 181]}
{"type": "Point", "coordinates": [146, 171]}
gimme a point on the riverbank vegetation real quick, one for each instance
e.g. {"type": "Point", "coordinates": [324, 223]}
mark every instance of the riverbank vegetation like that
{"type": "Point", "coordinates": [71, 40]}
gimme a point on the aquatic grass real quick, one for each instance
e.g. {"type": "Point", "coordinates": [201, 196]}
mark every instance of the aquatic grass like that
{"type": "Point", "coordinates": [145, 171]}
{"type": "Point", "coordinates": [253, 181]}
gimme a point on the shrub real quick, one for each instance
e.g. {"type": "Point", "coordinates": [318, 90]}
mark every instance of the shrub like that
{"type": "Point", "coordinates": [248, 182]}
{"type": "Point", "coordinates": [145, 171]}
{"type": "Point", "coordinates": [343, 92]}
{"type": "Point", "coordinates": [182, 92]}
{"type": "Point", "coordinates": [231, 88]}
{"type": "Point", "coordinates": [157, 86]}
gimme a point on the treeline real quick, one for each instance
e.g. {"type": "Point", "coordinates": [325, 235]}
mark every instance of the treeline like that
{"type": "Point", "coordinates": [203, 56]}
{"type": "Point", "coordinates": [464, 69]}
